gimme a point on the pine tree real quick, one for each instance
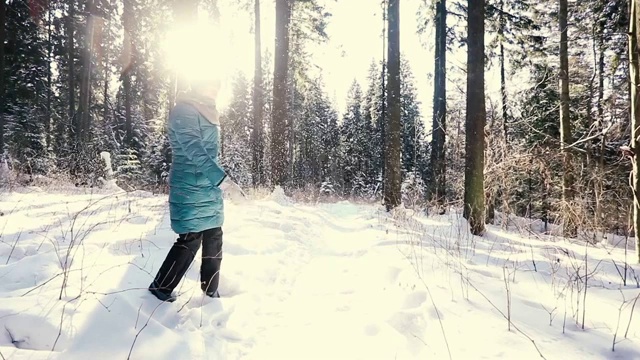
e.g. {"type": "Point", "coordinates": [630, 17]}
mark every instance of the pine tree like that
{"type": "Point", "coordinates": [393, 176]}
{"type": "Point", "coordinates": [373, 105]}
{"type": "Point", "coordinates": [634, 51]}
{"type": "Point", "coordinates": [317, 139]}
{"type": "Point", "coordinates": [2, 82]}
{"type": "Point", "coordinates": [129, 52]}
{"type": "Point", "coordinates": [236, 133]}
{"type": "Point", "coordinates": [412, 123]}
{"type": "Point", "coordinates": [257, 133]}
{"type": "Point", "coordinates": [84, 110]}
{"type": "Point", "coordinates": [279, 158]}
{"type": "Point", "coordinates": [475, 120]}
{"type": "Point", "coordinates": [439, 128]}
{"type": "Point", "coordinates": [565, 121]}
{"type": "Point", "coordinates": [25, 97]}
{"type": "Point", "coordinates": [71, 61]}
{"type": "Point", "coordinates": [355, 139]}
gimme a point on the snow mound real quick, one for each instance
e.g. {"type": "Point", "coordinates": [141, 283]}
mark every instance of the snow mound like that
{"type": "Point", "coordinates": [279, 196]}
{"type": "Point", "coordinates": [24, 334]}
{"type": "Point", "coordinates": [110, 185]}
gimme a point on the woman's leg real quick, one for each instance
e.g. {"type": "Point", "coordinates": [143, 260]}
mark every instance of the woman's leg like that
{"type": "Point", "coordinates": [211, 260]}
{"type": "Point", "coordinates": [177, 262]}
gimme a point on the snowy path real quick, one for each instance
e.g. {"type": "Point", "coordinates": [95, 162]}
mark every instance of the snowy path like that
{"type": "Point", "coordinates": [334, 281]}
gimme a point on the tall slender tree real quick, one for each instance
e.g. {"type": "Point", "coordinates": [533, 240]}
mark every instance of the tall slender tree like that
{"type": "Point", "coordinates": [383, 92]}
{"type": "Point", "coordinates": [85, 78]}
{"type": "Point", "coordinates": [71, 71]}
{"type": "Point", "coordinates": [438, 159]}
{"type": "Point", "coordinates": [502, 24]}
{"type": "Point", "coordinates": [565, 123]}
{"type": "Point", "coordinates": [2, 78]}
{"type": "Point", "coordinates": [634, 69]}
{"type": "Point", "coordinates": [393, 175]}
{"type": "Point", "coordinates": [257, 135]}
{"type": "Point", "coordinates": [48, 119]}
{"type": "Point", "coordinates": [475, 119]}
{"type": "Point", "coordinates": [279, 154]}
{"type": "Point", "coordinates": [127, 22]}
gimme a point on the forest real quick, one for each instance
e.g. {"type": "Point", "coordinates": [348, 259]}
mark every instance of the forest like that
{"type": "Point", "coordinates": [552, 137]}
{"type": "Point", "coordinates": [319, 179]}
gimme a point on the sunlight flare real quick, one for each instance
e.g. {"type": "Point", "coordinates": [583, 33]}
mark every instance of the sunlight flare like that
{"type": "Point", "coordinates": [197, 51]}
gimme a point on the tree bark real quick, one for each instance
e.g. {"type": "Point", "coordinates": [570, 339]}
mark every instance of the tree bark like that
{"type": "Point", "coordinates": [85, 80]}
{"type": "Point", "coordinates": [503, 78]}
{"type": "Point", "coordinates": [107, 73]}
{"type": "Point", "coordinates": [2, 79]}
{"type": "Point", "coordinates": [279, 156]}
{"type": "Point", "coordinates": [393, 176]}
{"type": "Point", "coordinates": [601, 74]}
{"type": "Point", "coordinates": [71, 86]}
{"type": "Point", "coordinates": [48, 125]}
{"type": "Point", "coordinates": [384, 125]}
{"type": "Point", "coordinates": [634, 68]}
{"type": "Point", "coordinates": [438, 159]}
{"type": "Point", "coordinates": [127, 22]}
{"type": "Point", "coordinates": [569, 227]}
{"type": "Point", "coordinates": [257, 135]}
{"type": "Point", "coordinates": [475, 120]}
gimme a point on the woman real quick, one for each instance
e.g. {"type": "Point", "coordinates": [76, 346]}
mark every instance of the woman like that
{"type": "Point", "coordinates": [196, 184]}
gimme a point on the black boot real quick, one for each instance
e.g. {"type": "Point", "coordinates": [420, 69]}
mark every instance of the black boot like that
{"type": "Point", "coordinates": [160, 293]}
{"type": "Point", "coordinates": [214, 294]}
{"type": "Point", "coordinates": [175, 265]}
{"type": "Point", "coordinates": [211, 261]}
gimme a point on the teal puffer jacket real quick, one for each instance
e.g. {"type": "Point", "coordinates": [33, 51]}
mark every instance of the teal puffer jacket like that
{"type": "Point", "coordinates": [195, 199]}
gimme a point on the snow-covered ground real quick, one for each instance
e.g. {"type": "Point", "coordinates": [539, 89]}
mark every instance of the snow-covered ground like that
{"type": "Point", "coordinates": [330, 281]}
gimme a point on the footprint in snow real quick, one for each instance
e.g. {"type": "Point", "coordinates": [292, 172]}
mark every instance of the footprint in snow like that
{"type": "Point", "coordinates": [415, 299]}
{"type": "Point", "coordinates": [371, 330]}
{"type": "Point", "coordinates": [286, 227]}
{"type": "Point", "coordinates": [208, 312]}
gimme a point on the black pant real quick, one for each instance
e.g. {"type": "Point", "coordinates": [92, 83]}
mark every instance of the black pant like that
{"type": "Point", "coordinates": [182, 254]}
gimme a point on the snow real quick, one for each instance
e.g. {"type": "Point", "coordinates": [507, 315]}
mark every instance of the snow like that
{"type": "Point", "coordinates": [302, 281]}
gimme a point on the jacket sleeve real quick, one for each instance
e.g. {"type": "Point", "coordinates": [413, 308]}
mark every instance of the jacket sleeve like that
{"type": "Point", "coordinates": [187, 133]}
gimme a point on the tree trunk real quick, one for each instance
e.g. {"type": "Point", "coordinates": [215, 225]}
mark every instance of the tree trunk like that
{"type": "Point", "coordinates": [495, 197]}
{"type": "Point", "coordinates": [503, 78]}
{"type": "Point", "coordinates": [383, 94]}
{"type": "Point", "coordinates": [71, 86]}
{"type": "Point", "coordinates": [48, 125]}
{"type": "Point", "coordinates": [601, 114]}
{"type": "Point", "coordinates": [634, 68]}
{"type": "Point", "coordinates": [601, 49]}
{"type": "Point", "coordinates": [85, 80]}
{"type": "Point", "coordinates": [600, 108]}
{"type": "Point", "coordinates": [279, 156]}
{"type": "Point", "coordinates": [127, 22]}
{"type": "Point", "coordinates": [393, 176]}
{"type": "Point", "coordinates": [569, 228]}
{"type": "Point", "coordinates": [2, 79]}
{"type": "Point", "coordinates": [438, 159]}
{"type": "Point", "coordinates": [475, 120]}
{"type": "Point", "coordinates": [257, 135]}
{"type": "Point", "coordinates": [107, 73]}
